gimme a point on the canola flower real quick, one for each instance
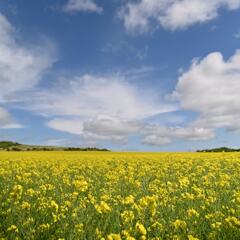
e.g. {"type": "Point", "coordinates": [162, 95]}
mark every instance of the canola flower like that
{"type": "Point", "coordinates": [119, 196]}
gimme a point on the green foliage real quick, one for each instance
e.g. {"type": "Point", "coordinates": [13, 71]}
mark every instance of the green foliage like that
{"type": "Point", "coordinates": [85, 149]}
{"type": "Point", "coordinates": [7, 144]}
{"type": "Point", "coordinates": [14, 146]}
{"type": "Point", "coordinates": [222, 149]}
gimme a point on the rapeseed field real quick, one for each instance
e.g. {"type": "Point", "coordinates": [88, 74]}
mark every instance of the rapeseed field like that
{"type": "Point", "coordinates": [114, 196]}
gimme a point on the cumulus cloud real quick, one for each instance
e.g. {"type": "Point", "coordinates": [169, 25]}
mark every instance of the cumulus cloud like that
{"type": "Point", "coordinates": [99, 108]}
{"type": "Point", "coordinates": [110, 128]}
{"type": "Point", "coordinates": [21, 67]}
{"type": "Point", "coordinates": [140, 16]}
{"type": "Point", "coordinates": [82, 6]}
{"type": "Point", "coordinates": [211, 87]}
{"type": "Point", "coordinates": [110, 125]}
{"type": "Point", "coordinates": [158, 135]}
{"type": "Point", "coordinates": [104, 128]}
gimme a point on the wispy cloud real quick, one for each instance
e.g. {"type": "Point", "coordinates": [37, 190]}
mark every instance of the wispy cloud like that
{"type": "Point", "coordinates": [82, 6]}
{"type": "Point", "coordinates": [237, 34]}
{"type": "Point", "coordinates": [21, 67]}
{"type": "Point", "coordinates": [90, 95]}
{"type": "Point", "coordinates": [127, 49]}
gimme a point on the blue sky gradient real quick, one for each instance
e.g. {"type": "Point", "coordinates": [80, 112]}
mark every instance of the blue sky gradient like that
{"type": "Point", "coordinates": [97, 79]}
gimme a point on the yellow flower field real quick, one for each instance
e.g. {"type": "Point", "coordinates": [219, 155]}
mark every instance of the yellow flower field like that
{"type": "Point", "coordinates": [113, 196]}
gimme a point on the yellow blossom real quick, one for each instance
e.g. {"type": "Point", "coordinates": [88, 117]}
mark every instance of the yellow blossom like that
{"type": "Point", "coordinates": [191, 237]}
{"type": "Point", "coordinates": [141, 229]}
{"type": "Point", "coordinates": [179, 224]}
{"type": "Point", "coordinates": [103, 207]}
{"type": "Point", "coordinates": [114, 236]}
{"type": "Point", "coordinates": [80, 185]}
{"type": "Point", "coordinates": [13, 228]}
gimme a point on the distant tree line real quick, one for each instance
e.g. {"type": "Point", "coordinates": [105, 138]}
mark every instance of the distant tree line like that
{"type": "Point", "coordinates": [17, 147]}
{"type": "Point", "coordinates": [221, 149]}
{"type": "Point", "coordinates": [6, 144]}
{"type": "Point", "coordinates": [85, 149]}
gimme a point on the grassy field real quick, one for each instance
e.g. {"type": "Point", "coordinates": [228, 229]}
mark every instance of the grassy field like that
{"type": "Point", "coordinates": [112, 196]}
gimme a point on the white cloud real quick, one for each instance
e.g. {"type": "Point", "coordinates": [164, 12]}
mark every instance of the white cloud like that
{"type": "Point", "coordinates": [97, 108]}
{"type": "Point", "coordinates": [156, 140]}
{"type": "Point", "coordinates": [110, 128]}
{"type": "Point", "coordinates": [93, 137]}
{"type": "Point", "coordinates": [105, 128]}
{"type": "Point", "coordinates": [5, 117]}
{"type": "Point", "coordinates": [6, 121]}
{"type": "Point", "coordinates": [101, 128]}
{"type": "Point", "coordinates": [89, 96]}
{"type": "Point", "coordinates": [140, 16]}
{"type": "Point", "coordinates": [211, 87]}
{"type": "Point", "coordinates": [110, 125]}
{"type": "Point", "coordinates": [157, 135]}
{"type": "Point", "coordinates": [82, 5]}
{"type": "Point", "coordinates": [21, 67]}
{"type": "Point", "coordinates": [12, 126]}
{"type": "Point", "coordinates": [73, 126]}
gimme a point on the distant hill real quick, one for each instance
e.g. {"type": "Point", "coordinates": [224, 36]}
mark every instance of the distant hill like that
{"type": "Point", "coordinates": [222, 149]}
{"type": "Point", "coordinates": [14, 146]}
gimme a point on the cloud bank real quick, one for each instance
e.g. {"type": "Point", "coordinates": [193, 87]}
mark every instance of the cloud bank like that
{"type": "Point", "coordinates": [143, 15]}
{"type": "Point", "coordinates": [210, 87]}
{"type": "Point", "coordinates": [106, 108]}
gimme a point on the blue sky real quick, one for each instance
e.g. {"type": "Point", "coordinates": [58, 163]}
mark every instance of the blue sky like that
{"type": "Point", "coordinates": [132, 75]}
